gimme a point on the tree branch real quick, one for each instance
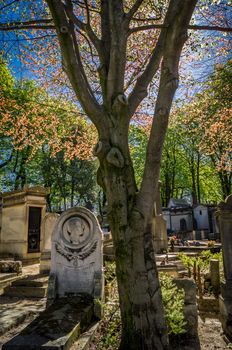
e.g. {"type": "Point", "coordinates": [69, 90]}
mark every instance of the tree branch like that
{"type": "Point", "coordinates": [118, 28]}
{"type": "Point", "coordinates": [88, 30]}
{"type": "Point", "coordinates": [175, 38]}
{"type": "Point", "coordinates": [36, 24]}
{"type": "Point", "coordinates": [192, 27]}
{"type": "Point", "coordinates": [27, 27]}
{"type": "Point", "coordinates": [140, 90]}
{"type": "Point", "coordinates": [7, 5]}
{"type": "Point", "coordinates": [216, 28]}
{"type": "Point", "coordinates": [134, 9]}
{"type": "Point", "coordinates": [72, 62]}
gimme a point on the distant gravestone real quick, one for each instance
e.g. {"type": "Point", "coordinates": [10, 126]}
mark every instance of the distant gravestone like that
{"type": "Point", "coordinates": [76, 256]}
{"type": "Point", "coordinates": [159, 229]}
{"type": "Point", "coordinates": [48, 224]}
{"type": "Point", "coordinates": [47, 227]}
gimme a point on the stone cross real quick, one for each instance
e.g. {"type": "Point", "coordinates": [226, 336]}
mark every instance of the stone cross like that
{"type": "Point", "coordinates": [224, 216]}
{"type": "Point", "coordinates": [76, 257]}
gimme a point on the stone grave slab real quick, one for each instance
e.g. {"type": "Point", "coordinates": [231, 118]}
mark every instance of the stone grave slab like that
{"type": "Point", "coordinates": [57, 327]}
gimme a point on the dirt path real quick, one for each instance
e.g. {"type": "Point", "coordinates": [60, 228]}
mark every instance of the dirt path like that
{"type": "Point", "coordinates": [210, 333]}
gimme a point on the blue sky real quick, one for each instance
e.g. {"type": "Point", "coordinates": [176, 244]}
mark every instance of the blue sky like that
{"type": "Point", "coordinates": [14, 47]}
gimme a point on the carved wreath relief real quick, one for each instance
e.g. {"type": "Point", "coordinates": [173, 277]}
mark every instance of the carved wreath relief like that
{"type": "Point", "coordinates": [76, 239]}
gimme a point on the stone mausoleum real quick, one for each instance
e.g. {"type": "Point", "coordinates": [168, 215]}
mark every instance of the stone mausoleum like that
{"type": "Point", "coordinates": [22, 213]}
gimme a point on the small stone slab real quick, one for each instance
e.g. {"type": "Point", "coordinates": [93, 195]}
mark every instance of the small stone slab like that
{"type": "Point", "coordinates": [32, 281]}
{"type": "Point", "coordinates": [27, 292]}
{"type": "Point", "coordinates": [57, 327]}
{"type": "Point", "coordinates": [10, 266]}
{"type": "Point", "coordinates": [6, 276]}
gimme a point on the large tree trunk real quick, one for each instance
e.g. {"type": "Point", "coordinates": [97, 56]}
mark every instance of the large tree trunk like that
{"type": "Point", "coordinates": [143, 323]}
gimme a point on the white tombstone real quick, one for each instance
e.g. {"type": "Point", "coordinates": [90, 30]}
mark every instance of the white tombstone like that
{"type": "Point", "coordinates": [76, 256]}
{"type": "Point", "coordinates": [48, 224]}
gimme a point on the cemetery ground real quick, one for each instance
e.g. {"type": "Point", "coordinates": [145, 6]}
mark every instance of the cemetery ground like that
{"type": "Point", "coordinates": [26, 309]}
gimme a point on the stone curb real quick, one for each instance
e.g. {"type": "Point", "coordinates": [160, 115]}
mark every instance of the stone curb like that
{"type": "Point", "coordinates": [85, 338]}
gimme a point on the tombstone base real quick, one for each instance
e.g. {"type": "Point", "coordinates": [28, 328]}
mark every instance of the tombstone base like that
{"type": "Point", "coordinates": [57, 327]}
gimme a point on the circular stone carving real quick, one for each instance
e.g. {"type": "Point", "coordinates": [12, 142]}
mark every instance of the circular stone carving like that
{"type": "Point", "coordinates": [76, 230]}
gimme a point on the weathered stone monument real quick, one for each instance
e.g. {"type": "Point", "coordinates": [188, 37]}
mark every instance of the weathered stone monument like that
{"type": "Point", "coordinates": [48, 224]}
{"type": "Point", "coordinates": [22, 213]}
{"type": "Point", "coordinates": [159, 226]}
{"type": "Point", "coordinates": [76, 256]}
{"type": "Point", "coordinates": [224, 216]}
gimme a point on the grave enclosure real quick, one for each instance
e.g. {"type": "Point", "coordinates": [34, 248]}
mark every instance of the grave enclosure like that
{"type": "Point", "coordinates": [76, 285]}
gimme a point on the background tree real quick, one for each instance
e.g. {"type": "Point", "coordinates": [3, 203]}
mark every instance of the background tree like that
{"type": "Point", "coordinates": [208, 119]}
{"type": "Point", "coordinates": [54, 151]}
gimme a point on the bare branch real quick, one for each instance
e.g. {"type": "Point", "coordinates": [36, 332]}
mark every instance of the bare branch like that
{"type": "Point", "coordinates": [7, 5]}
{"type": "Point", "coordinates": [216, 28]}
{"type": "Point", "coordinates": [147, 27]}
{"type": "Point", "coordinates": [72, 62]}
{"type": "Point", "coordinates": [176, 36]}
{"type": "Point", "coordinates": [30, 38]}
{"type": "Point", "coordinates": [87, 11]}
{"type": "Point", "coordinates": [150, 19]}
{"type": "Point", "coordinates": [140, 90]}
{"type": "Point", "coordinates": [134, 9]}
{"type": "Point", "coordinates": [192, 27]}
{"type": "Point", "coordinates": [36, 24]}
{"type": "Point", "coordinates": [88, 30]}
{"type": "Point", "coordinates": [82, 5]}
{"type": "Point", "coordinates": [37, 21]}
{"type": "Point", "coordinates": [27, 27]}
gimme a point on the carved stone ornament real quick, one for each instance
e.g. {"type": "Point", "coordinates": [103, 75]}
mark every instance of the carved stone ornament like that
{"type": "Point", "coordinates": [75, 255]}
{"type": "Point", "coordinates": [76, 241]}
